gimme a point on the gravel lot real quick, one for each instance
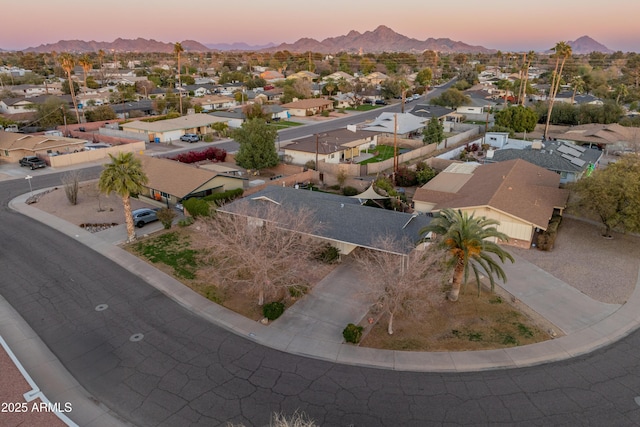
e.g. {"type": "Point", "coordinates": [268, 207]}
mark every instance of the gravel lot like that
{"type": "Point", "coordinates": [606, 270]}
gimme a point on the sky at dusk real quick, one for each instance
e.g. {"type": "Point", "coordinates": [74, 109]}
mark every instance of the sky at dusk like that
{"type": "Point", "coordinates": [497, 24]}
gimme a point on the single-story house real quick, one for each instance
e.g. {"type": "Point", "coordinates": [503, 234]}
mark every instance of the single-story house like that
{"type": "Point", "coordinates": [338, 75]}
{"type": "Point", "coordinates": [520, 195]}
{"type": "Point", "coordinates": [170, 181]}
{"type": "Point", "coordinates": [14, 146]}
{"type": "Point", "coordinates": [308, 107]}
{"type": "Point", "coordinates": [215, 102]}
{"type": "Point", "coordinates": [402, 125]}
{"type": "Point", "coordinates": [304, 75]}
{"type": "Point", "coordinates": [602, 135]}
{"type": "Point", "coordinates": [376, 78]}
{"type": "Point", "coordinates": [568, 160]}
{"type": "Point", "coordinates": [173, 129]}
{"type": "Point", "coordinates": [332, 147]}
{"type": "Point", "coordinates": [346, 223]}
{"type": "Point", "coordinates": [145, 106]}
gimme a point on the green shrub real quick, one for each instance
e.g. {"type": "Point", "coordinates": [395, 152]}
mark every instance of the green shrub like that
{"type": "Point", "coordinates": [297, 291]}
{"type": "Point", "coordinates": [166, 216]}
{"type": "Point", "coordinates": [208, 138]}
{"type": "Point", "coordinates": [311, 164]}
{"type": "Point", "coordinates": [547, 239]}
{"type": "Point", "coordinates": [325, 113]}
{"type": "Point", "coordinates": [328, 254]}
{"type": "Point", "coordinates": [334, 187]}
{"type": "Point", "coordinates": [273, 310]}
{"type": "Point", "coordinates": [185, 222]}
{"type": "Point", "coordinates": [349, 191]}
{"type": "Point", "coordinates": [196, 207]}
{"type": "Point", "coordinates": [352, 333]}
{"type": "Point", "coordinates": [225, 196]}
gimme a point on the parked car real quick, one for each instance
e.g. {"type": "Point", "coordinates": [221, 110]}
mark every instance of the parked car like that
{"type": "Point", "coordinates": [381, 102]}
{"type": "Point", "coordinates": [189, 137]}
{"type": "Point", "coordinates": [144, 216]}
{"type": "Point", "coordinates": [33, 162]}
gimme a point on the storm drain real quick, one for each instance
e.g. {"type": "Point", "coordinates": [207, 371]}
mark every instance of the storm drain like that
{"type": "Point", "coordinates": [101, 307]}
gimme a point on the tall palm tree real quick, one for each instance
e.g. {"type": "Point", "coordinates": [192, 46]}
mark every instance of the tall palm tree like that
{"type": "Point", "coordinates": [470, 242]}
{"type": "Point", "coordinates": [124, 176]}
{"type": "Point", "coordinates": [67, 62]}
{"type": "Point", "coordinates": [530, 58]}
{"type": "Point", "coordinates": [562, 52]}
{"type": "Point", "coordinates": [86, 64]}
{"type": "Point", "coordinates": [101, 64]}
{"type": "Point", "coordinates": [178, 49]}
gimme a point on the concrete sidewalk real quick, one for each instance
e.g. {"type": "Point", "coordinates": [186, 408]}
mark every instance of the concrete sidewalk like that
{"type": "Point", "coordinates": [313, 327]}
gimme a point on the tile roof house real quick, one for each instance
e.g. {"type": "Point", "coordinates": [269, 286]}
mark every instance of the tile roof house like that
{"type": "Point", "coordinates": [568, 160]}
{"type": "Point", "coordinates": [602, 135]}
{"type": "Point", "coordinates": [332, 147]}
{"type": "Point", "coordinates": [170, 181]}
{"type": "Point", "coordinates": [518, 194]}
{"type": "Point", "coordinates": [346, 223]}
{"type": "Point", "coordinates": [308, 107]}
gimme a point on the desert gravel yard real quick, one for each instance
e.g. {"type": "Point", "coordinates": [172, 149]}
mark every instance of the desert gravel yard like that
{"type": "Point", "coordinates": [606, 270]}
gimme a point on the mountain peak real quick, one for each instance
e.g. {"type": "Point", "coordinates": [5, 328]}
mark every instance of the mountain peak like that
{"type": "Point", "coordinates": [585, 45]}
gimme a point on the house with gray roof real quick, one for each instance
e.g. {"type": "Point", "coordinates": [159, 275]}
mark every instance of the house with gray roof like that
{"type": "Point", "coordinates": [345, 222]}
{"type": "Point", "coordinates": [401, 124]}
{"type": "Point", "coordinates": [568, 160]}
{"type": "Point", "coordinates": [335, 146]}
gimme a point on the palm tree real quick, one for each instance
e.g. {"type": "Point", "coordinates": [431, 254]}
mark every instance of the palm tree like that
{"type": "Point", "coordinates": [101, 62]}
{"type": "Point", "coordinates": [563, 51]}
{"type": "Point", "coordinates": [124, 176]}
{"type": "Point", "coordinates": [67, 62]}
{"type": "Point", "coordinates": [178, 49]}
{"type": "Point", "coordinates": [467, 240]}
{"type": "Point", "coordinates": [578, 86]}
{"type": "Point", "coordinates": [530, 58]}
{"type": "Point", "coordinates": [86, 64]}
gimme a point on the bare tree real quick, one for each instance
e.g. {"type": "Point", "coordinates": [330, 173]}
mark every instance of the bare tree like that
{"type": "Point", "coordinates": [261, 252]}
{"type": "Point", "coordinates": [399, 283]}
{"type": "Point", "coordinates": [71, 180]}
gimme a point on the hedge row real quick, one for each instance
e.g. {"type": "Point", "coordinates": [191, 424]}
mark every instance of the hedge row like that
{"type": "Point", "coordinates": [547, 239]}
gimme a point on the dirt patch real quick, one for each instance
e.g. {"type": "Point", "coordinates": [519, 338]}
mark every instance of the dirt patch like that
{"type": "Point", "coordinates": [92, 206]}
{"type": "Point", "coordinates": [489, 321]}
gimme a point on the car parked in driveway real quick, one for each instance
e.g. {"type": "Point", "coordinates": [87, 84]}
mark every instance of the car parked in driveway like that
{"type": "Point", "coordinates": [33, 162]}
{"type": "Point", "coordinates": [190, 137]}
{"type": "Point", "coordinates": [144, 216]}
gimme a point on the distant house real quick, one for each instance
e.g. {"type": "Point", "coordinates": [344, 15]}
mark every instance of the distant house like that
{"type": "Point", "coordinates": [521, 196]}
{"type": "Point", "coordinates": [445, 115]}
{"type": "Point", "coordinates": [272, 76]}
{"type": "Point", "coordinates": [376, 78]}
{"type": "Point", "coordinates": [123, 110]}
{"type": "Point", "coordinates": [338, 75]}
{"type": "Point", "coordinates": [308, 107]}
{"type": "Point", "coordinates": [304, 75]}
{"type": "Point", "coordinates": [173, 129]}
{"type": "Point", "coordinates": [215, 102]}
{"type": "Point", "coordinates": [403, 125]}
{"type": "Point", "coordinates": [568, 160]}
{"type": "Point", "coordinates": [171, 182]}
{"type": "Point", "coordinates": [14, 146]}
{"type": "Point", "coordinates": [332, 147]}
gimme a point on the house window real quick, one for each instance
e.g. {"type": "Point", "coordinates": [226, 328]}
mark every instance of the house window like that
{"type": "Point", "coordinates": [563, 175]}
{"type": "Point", "coordinates": [165, 195]}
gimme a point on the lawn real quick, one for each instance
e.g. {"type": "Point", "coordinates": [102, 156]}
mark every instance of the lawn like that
{"type": "Point", "coordinates": [381, 152]}
{"type": "Point", "coordinates": [284, 124]}
{"type": "Point", "coordinates": [364, 107]}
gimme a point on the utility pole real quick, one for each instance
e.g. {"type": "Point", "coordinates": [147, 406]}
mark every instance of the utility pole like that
{"type": "Point", "coordinates": [317, 142]}
{"type": "Point", "coordinates": [395, 146]}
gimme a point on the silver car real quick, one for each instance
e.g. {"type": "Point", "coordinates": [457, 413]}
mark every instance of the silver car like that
{"type": "Point", "coordinates": [144, 216]}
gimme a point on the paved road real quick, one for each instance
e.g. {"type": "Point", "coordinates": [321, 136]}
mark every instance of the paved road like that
{"type": "Point", "coordinates": [186, 371]}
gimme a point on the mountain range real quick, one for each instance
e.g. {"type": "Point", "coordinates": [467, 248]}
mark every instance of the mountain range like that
{"type": "Point", "coordinates": [382, 39]}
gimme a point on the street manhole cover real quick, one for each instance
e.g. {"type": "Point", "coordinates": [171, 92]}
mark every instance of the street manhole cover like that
{"type": "Point", "coordinates": [101, 307]}
{"type": "Point", "coordinates": [136, 337]}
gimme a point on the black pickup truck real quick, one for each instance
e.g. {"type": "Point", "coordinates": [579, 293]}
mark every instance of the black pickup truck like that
{"type": "Point", "coordinates": [33, 162]}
